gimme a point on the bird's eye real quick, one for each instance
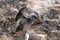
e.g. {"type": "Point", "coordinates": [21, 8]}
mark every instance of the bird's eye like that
{"type": "Point", "coordinates": [29, 20]}
{"type": "Point", "coordinates": [33, 16]}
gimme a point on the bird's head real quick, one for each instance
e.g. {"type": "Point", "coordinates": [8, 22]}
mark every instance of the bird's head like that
{"type": "Point", "coordinates": [32, 16]}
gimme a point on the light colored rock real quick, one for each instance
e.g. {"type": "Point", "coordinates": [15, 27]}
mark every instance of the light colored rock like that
{"type": "Point", "coordinates": [4, 37]}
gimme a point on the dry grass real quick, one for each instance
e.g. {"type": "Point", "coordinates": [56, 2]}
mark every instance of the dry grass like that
{"type": "Point", "coordinates": [4, 37]}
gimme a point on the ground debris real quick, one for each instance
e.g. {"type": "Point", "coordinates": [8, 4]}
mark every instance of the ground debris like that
{"type": "Point", "coordinates": [46, 26]}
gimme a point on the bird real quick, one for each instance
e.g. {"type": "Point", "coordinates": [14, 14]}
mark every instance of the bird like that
{"type": "Point", "coordinates": [29, 16]}
{"type": "Point", "coordinates": [25, 17]}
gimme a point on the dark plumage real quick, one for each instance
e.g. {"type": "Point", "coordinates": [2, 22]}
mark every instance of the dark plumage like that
{"type": "Point", "coordinates": [20, 27]}
{"type": "Point", "coordinates": [31, 18]}
{"type": "Point", "coordinates": [20, 13]}
{"type": "Point", "coordinates": [26, 16]}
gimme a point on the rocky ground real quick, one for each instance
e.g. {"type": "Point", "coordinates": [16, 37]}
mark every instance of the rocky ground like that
{"type": "Point", "coordinates": [49, 29]}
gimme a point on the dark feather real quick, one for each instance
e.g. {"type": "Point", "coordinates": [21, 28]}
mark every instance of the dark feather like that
{"type": "Point", "coordinates": [20, 28]}
{"type": "Point", "coordinates": [20, 14]}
